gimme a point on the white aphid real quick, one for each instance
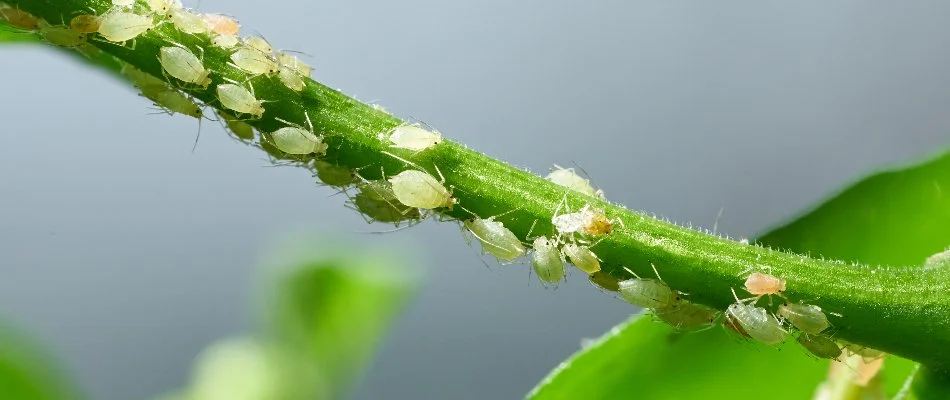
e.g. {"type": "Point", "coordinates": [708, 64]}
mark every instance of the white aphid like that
{"type": "Point", "coordinates": [547, 261]}
{"type": "Point", "coordinates": [254, 62]}
{"type": "Point", "coordinates": [297, 140]}
{"type": "Point", "coordinates": [420, 190]}
{"type": "Point", "coordinates": [182, 64]}
{"type": "Point", "coordinates": [85, 23]}
{"type": "Point", "coordinates": [225, 41]}
{"type": "Point", "coordinates": [414, 137]}
{"type": "Point", "coordinates": [258, 43]}
{"type": "Point", "coordinates": [123, 26]}
{"type": "Point", "coordinates": [294, 63]}
{"type": "Point", "coordinates": [582, 257]}
{"type": "Point", "coordinates": [222, 24]}
{"type": "Point", "coordinates": [496, 239]}
{"type": "Point", "coordinates": [588, 221]}
{"type": "Point", "coordinates": [63, 36]}
{"type": "Point", "coordinates": [237, 98]}
{"type": "Point", "coordinates": [568, 178]}
{"type": "Point", "coordinates": [187, 21]}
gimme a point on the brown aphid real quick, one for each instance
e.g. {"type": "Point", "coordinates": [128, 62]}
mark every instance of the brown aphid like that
{"type": "Point", "coordinates": [760, 284]}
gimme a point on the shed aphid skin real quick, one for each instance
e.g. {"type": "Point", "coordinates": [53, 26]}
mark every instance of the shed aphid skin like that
{"type": "Point", "coordinates": [568, 178]}
{"type": "Point", "coordinates": [496, 240]}
{"type": "Point", "coordinates": [418, 189]}
{"type": "Point", "coordinates": [122, 26]}
{"type": "Point", "coordinates": [757, 322]}
{"type": "Point", "coordinates": [587, 221]}
{"type": "Point", "coordinates": [820, 346]}
{"type": "Point", "coordinates": [334, 175]}
{"type": "Point", "coordinates": [414, 137]}
{"type": "Point", "coordinates": [85, 23]}
{"type": "Point", "coordinates": [582, 258]}
{"type": "Point", "coordinates": [18, 18]}
{"type": "Point", "coordinates": [647, 293]}
{"type": "Point", "coordinates": [807, 318]}
{"type": "Point", "coordinates": [63, 36]}
{"type": "Point", "coordinates": [298, 140]}
{"type": "Point", "coordinates": [685, 316]}
{"type": "Point", "coordinates": [184, 65]}
{"type": "Point", "coordinates": [547, 261]}
{"type": "Point", "coordinates": [222, 24]}
{"type": "Point", "coordinates": [240, 129]}
{"type": "Point", "coordinates": [254, 62]}
{"type": "Point", "coordinates": [377, 202]}
{"type": "Point", "coordinates": [237, 98]}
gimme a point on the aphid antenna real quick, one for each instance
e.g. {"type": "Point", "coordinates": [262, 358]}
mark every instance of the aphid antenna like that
{"type": "Point", "coordinates": [407, 162]}
{"type": "Point", "coordinates": [197, 136]}
{"type": "Point", "coordinates": [297, 52]}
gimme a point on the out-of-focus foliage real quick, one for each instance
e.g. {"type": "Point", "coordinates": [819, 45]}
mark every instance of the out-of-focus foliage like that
{"type": "Point", "coordinates": [28, 372]}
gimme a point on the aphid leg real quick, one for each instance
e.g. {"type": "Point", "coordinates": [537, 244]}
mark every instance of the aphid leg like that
{"type": "Point", "coordinates": [718, 216]}
{"type": "Point", "coordinates": [632, 273]}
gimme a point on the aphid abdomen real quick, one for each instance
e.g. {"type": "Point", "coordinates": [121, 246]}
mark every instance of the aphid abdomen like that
{"type": "Point", "coordinates": [19, 18]}
{"type": "Point", "coordinates": [819, 345]}
{"type": "Point", "coordinates": [237, 98]}
{"type": "Point", "coordinates": [547, 261]}
{"type": "Point", "coordinates": [414, 137]}
{"type": "Point", "coordinates": [254, 62]}
{"type": "Point", "coordinates": [757, 323]}
{"type": "Point", "coordinates": [334, 175]}
{"type": "Point", "coordinates": [807, 318]}
{"type": "Point", "coordinates": [760, 284]}
{"type": "Point", "coordinates": [604, 281]}
{"type": "Point", "coordinates": [290, 79]}
{"type": "Point", "coordinates": [123, 26]}
{"type": "Point", "coordinates": [496, 239]}
{"type": "Point", "coordinates": [63, 36]}
{"type": "Point", "coordinates": [293, 140]}
{"type": "Point", "coordinates": [85, 23]}
{"type": "Point", "coordinates": [419, 189]}
{"type": "Point", "coordinates": [647, 293]}
{"type": "Point", "coordinates": [182, 64]}
{"type": "Point", "coordinates": [188, 22]}
{"type": "Point", "coordinates": [582, 258]}
{"type": "Point", "coordinates": [688, 317]}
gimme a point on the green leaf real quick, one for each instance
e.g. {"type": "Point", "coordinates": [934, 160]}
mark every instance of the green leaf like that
{"type": "Point", "coordinates": [9, 34]}
{"type": "Point", "coordinates": [897, 218]}
{"type": "Point", "coordinates": [27, 372]}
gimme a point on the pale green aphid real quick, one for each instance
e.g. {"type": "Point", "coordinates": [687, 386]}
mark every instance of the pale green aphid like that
{"type": "Point", "coordinates": [187, 21]}
{"type": "Point", "coordinates": [377, 202]}
{"type": "Point", "coordinates": [237, 98]}
{"type": "Point", "coordinates": [290, 79]}
{"type": "Point", "coordinates": [820, 346]}
{"type": "Point", "coordinates": [647, 293]}
{"type": "Point", "coordinates": [297, 140]}
{"type": "Point", "coordinates": [757, 322]}
{"type": "Point", "coordinates": [568, 178]}
{"type": "Point", "coordinates": [334, 175]}
{"type": "Point", "coordinates": [496, 239]}
{"type": "Point", "coordinates": [225, 41]}
{"type": "Point", "coordinates": [172, 100]}
{"type": "Point", "coordinates": [240, 129]}
{"type": "Point", "coordinates": [414, 137]}
{"type": "Point", "coordinates": [182, 64]}
{"type": "Point", "coordinates": [807, 318]}
{"type": "Point", "coordinates": [547, 261]}
{"type": "Point", "coordinates": [420, 190]}
{"type": "Point", "coordinates": [294, 63]}
{"type": "Point", "coordinates": [121, 26]}
{"type": "Point", "coordinates": [258, 43]}
{"type": "Point", "coordinates": [161, 7]}
{"type": "Point", "coordinates": [63, 36]}
{"type": "Point", "coordinates": [582, 258]}
{"type": "Point", "coordinates": [684, 316]}
{"type": "Point", "coordinates": [254, 62]}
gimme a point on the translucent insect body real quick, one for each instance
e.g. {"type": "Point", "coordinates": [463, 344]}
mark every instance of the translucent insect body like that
{"type": "Point", "coordinates": [568, 178]}
{"type": "Point", "coordinates": [582, 258]}
{"type": "Point", "coordinates": [182, 64]}
{"type": "Point", "coordinates": [414, 137]}
{"type": "Point", "coordinates": [807, 318]}
{"type": "Point", "coordinates": [420, 190]}
{"type": "Point", "coordinates": [495, 238]}
{"type": "Point", "coordinates": [647, 293]}
{"type": "Point", "coordinates": [547, 261]}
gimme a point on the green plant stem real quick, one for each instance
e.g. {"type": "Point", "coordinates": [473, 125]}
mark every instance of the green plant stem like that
{"type": "Point", "coordinates": [904, 311]}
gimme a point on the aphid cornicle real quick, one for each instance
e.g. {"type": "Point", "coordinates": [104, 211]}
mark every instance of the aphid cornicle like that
{"type": "Point", "coordinates": [495, 238]}
{"type": "Point", "coordinates": [819, 345]}
{"type": "Point", "coordinates": [254, 62]}
{"type": "Point", "coordinates": [757, 322]}
{"type": "Point", "coordinates": [647, 293]}
{"type": "Point", "coordinates": [414, 137]}
{"type": "Point", "coordinates": [807, 318]}
{"type": "Point", "coordinates": [237, 98]}
{"type": "Point", "coordinates": [684, 316]}
{"type": "Point", "coordinates": [568, 178]}
{"type": "Point", "coordinates": [297, 140]}
{"type": "Point", "coordinates": [582, 258]}
{"type": "Point", "coordinates": [420, 190]}
{"type": "Point", "coordinates": [547, 261]}
{"type": "Point", "coordinates": [85, 23]}
{"type": "Point", "coordinates": [334, 175]}
{"type": "Point", "coordinates": [182, 64]}
{"type": "Point", "coordinates": [121, 26]}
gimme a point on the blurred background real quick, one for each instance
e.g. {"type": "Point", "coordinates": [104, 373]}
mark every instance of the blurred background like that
{"type": "Point", "coordinates": [125, 254]}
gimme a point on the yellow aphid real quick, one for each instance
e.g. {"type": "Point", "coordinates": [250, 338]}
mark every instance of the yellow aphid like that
{"type": "Point", "coordinates": [258, 43]}
{"type": "Point", "coordinates": [85, 23]}
{"type": "Point", "coordinates": [19, 18]}
{"type": "Point", "coordinates": [222, 24]}
{"type": "Point", "coordinates": [414, 137]}
{"type": "Point", "coordinates": [225, 41]}
{"type": "Point", "coordinates": [123, 26]}
{"type": "Point", "coordinates": [254, 62]}
{"type": "Point", "coordinates": [237, 98]}
{"type": "Point", "coordinates": [182, 64]}
{"type": "Point", "coordinates": [187, 21]}
{"type": "Point", "coordinates": [63, 36]}
{"type": "Point", "coordinates": [582, 258]}
{"type": "Point", "coordinates": [163, 7]}
{"type": "Point", "coordinates": [588, 221]}
{"type": "Point", "coordinates": [420, 190]}
{"type": "Point", "coordinates": [760, 284]}
{"type": "Point", "coordinates": [290, 79]}
{"type": "Point", "coordinates": [294, 63]}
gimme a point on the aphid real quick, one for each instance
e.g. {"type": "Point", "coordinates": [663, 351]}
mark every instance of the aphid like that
{"type": "Point", "coordinates": [172, 101]}
{"type": "Point", "coordinates": [604, 281]}
{"type": "Point", "coordinates": [684, 316]}
{"type": "Point", "coordinates": [162, 7]}
{"type": "Point", "coordinates": [496, 239]}
{"type": "Point", "coordinates": [222, 24]}
{"type": "Point", "coordinates": [568, 178]}
{"type": "Point", "coordinates": [187, 21]}
{"type": "Point", "coordinates": [239, 99]}
{"type": "Point", "coordinates": [547, 261]}
{"type": "Point", "coordinates": [939, 260]}
{"type": "Point", "coordinates": [182, 64]}
{"type": "Point", "coordinates": [290, 79]}
{"type": "Point", "coordinates": [414, 137]}
{"type": "Point", "coordinates": [123, 3]}
{"type": "Point", "coordinates": [254, 62]}
{"type": "Point", "coordinates": [19, 18]}
{"type": "Point", "coordinates": [588, 221]}
{"type": "Point", "coordinates": [334, 175]}
{"type": "Point", "coordinates": [819, 345]}
{"type": "Point", "coordinates": [757, 322]}
{"type": "Point", "coordinates": [258, 43]}
{"type": "Point", "coordinates": [121, 26]}
{"type": "Point", "coordinates": [730, 322]}
{"type": "Point", "coordinates": [647, 293]}
{"type": "Point", "coordinates": [807, 318]}
{"type": "Point", "coordinates": [297, 140]}
{"type": "Point", "coordinates": [240, 129]}
{"type": "Point", "coordinates": [760, 284]}
{"type": "Point", "coordinates": [377, 201]}
{"type": "Point", "coordinates": [85, 23]}
{"type": "Point", "coordinates": [294, 63]}
{"type": "Point", "coordinates": [140, 79]}
{"type": "Point", "coordinates": [582, 258]}
{"type": "Point", "coordinates": [420, 190]}
{"type": "Point", "coordinates": [225, 41]}
{"type": "Point", "coordinates": [863, 351]}
{"type": "Point", "coordinates": [63, 36]}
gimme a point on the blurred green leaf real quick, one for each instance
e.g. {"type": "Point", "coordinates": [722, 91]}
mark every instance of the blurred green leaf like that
{"type": "Point", "coordinates": [9, 34]}
{"type": "Point", "coordinates": [27, 372]}
{"type": "Point", "coordinates": [897, 218]}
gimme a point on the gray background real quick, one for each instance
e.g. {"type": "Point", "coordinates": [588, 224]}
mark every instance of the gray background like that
{"type": "Point", "coordinates": [127, 253]}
